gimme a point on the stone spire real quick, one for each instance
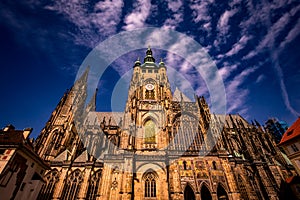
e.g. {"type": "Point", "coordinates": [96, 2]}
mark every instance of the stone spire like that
{"type": "Point", "coordinates": [92, 104]}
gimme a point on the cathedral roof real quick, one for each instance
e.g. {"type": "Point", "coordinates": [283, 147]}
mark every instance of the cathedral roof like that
{"type": "Point", "coordinates": [149, 64]}
{"type": "Point", "coordinates": [292, 133]}
{"type": "Point", "coordinates": [178, 96]}
{"type": "Point", "coordinates": [83, 157]}
{"type": "Point", "coordinates": [65, 155]}
{"type": "Point", "coordinates": [237, 119]}
{"type": "Point", "coordinates": [95, 118]}
{"type": "Point", "coordinates": [112, 118]}
{"type": "Point", "coordinates": [233, 120]}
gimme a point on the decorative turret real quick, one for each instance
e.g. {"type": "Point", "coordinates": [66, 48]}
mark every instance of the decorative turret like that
{"type": "Point", "coordinates": [149, 57]}
{"type": "Point", "coordinates": [137, 62]}
{"type": "Point", "coordinates": [161, 63]}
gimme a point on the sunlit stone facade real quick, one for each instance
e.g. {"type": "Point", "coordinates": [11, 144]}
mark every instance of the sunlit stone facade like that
{"type": "Point", "coordinates": [163, 146]}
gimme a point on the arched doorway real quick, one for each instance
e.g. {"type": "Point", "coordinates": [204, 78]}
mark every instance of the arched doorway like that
{"type": "Point", "coordinates": [189, 193]}
{"type": "Point", "coordinates": [205, 193]}
{"type": "Point", "coordinates": [221, 193]}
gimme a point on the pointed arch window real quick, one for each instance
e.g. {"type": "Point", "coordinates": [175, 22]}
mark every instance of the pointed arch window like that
{"type": "Point", "coordinates": [52, 142]}
{"type": "Point", "coordinates": [94, 186]}
{"type": "Point", "coordinates": [205, 193]}
{"type": "Point", "coordinates": [150, 184]}
{"type": "Point", "coordinates": [221, 193]}
{"type": "Point", "coordinates": [149, 94]}
{"type": "Point", "coordinates": [47, 190]}
{"type": "Point", "coordinates": [59, 140]}
{"type": "Point", "coordinates": [55, 141]}
{"type": "Point", "coordinates": [242, 188]}
{"type": "Point", "coordinates": [72, 186]}
{"type": "Point", "coordinates": [189, 193]}
{"type": "Point", "coordinates": [214, 165]}
{"type": "Point", "coordinates": [150, 129]}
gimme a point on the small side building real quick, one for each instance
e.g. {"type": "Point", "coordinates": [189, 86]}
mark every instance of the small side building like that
{"type": "Point", "coordinates": [290, 143]}
{"type": "Point", "coordinates": [21, 169]}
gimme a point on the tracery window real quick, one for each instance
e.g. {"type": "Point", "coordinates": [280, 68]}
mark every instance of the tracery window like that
{"type": "Point", "coordinates": [149, 94]}
{"type": "Point", "coordinates": [189, 193]}
{"type": "Point", "coordinates": [205, 193]}
{"type": "Point", "coordinates": [72, 186]}
{"type": "Point", "coordinates": [94, 186]}
{"type": "Point", "coordinates": [150, 184]}
{"type": "Point", "coordinates": [186, 133]}
{"type": "Point", "coordinates": [221, 193]}
{"type": "Point", "coordinates": [52, 142]}
{"type": "Point", "coordinates": [55, 142]}
{"type": "Point", "coordinates": [47, 190]}
{"type": "Point", "coordinates": [242, 187]}
{"type": "Point", "coordinates": [150, 132]}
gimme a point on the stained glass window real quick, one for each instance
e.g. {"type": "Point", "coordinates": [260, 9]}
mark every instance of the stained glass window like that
{"type": "Point", "coordinates": [150, 132]}
{"type": "Point", "coordinates": [94, 185]}
{"type": "Point", "coordinates": [243, 190]}
{"type": "Point", "coordinates": [47, 190]}
{"type": "Point", "coordinates": [72, 186]}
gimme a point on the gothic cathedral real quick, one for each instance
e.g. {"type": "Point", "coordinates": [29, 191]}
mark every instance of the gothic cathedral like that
{"type": "Point", "coordinates": [163, 146]}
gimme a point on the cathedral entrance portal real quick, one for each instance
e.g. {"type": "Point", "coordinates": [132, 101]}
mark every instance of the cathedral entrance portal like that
{"type": "Point", "coordinates": [205, 193]}
{"type": "Point", "coordinates": [189, 193]}
{"type": "Point", "coordinates": [222, 194]}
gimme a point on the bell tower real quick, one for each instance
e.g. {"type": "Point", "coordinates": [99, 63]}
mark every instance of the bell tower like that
{"type": "Point", "coordinates": [147, 106]}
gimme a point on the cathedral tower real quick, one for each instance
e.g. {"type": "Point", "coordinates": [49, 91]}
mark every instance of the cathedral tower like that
{"type": "Point", "coordinates": [147, 106]}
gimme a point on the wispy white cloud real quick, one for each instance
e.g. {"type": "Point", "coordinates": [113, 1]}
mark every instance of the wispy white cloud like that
{"type": "Point", "coordinates": [176, 8]}
{"type": "Point", "coordinates": [227, 70]}
{"type": "Point", "coordinates": [173, 22]}
{"type": "Point", "coordinates": [284, 92]}
{"type": "Point", "coordinates": [92, 25]}
{"type": "Point", "coordinates": [106, 15]}
{"type": "Point", "coordinates": [274, 30]}
{"type": "Point", "coordinates": [234, 3]}
{"type": "Point", "coordinates": [201, 13]}
{"type": "Point", "coordinates": [260, 78]}
{"type": "Point", "coordinates": [223, 25]}
{"type": "Point", "coordinates": [137, 18]}
{"type": "Point", "coordinates": [236, 95]}
{"type": "Point", "coordinates": [239, 45]}
{"type": "Point", "coordinates": [270, 40]}
{"type": "Point", "coordinates": [174, 5]}
{"type": "Point", "coordinates": [293, 33]}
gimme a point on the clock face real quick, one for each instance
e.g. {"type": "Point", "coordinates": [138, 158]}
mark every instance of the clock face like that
{"type": "Point", "coordinates": [149, 87]}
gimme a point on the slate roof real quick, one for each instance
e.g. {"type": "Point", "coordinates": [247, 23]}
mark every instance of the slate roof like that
{"type": "Point", "coordinates": [177, 95]}
{"type": "Point", "coordinates": [292, 133]}
{"type": "Point", "coordinates": [114, 116]}
{"type": "Point", "coordinates": [233, 119]}
{"type": "Point", "coordinates": [95, 118]}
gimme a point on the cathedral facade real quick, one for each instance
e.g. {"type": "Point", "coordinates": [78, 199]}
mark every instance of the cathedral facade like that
{"type": "Point", "coordinates": [163, 146]}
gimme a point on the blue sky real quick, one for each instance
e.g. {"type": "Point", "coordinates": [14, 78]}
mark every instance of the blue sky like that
{"type": "Point", "coordinates": [255, 45]}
